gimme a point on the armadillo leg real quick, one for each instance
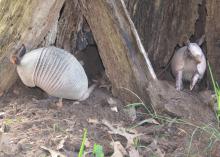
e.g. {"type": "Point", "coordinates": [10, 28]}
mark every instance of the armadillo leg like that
{"type": "Point", "coordinates": [60, 102]}
{"type": "Point", "coordinates": [194, 81]}
{"type": "Point", "coordinates": [179, 82]}
{"type": "Point", "coordinates": [88, 92]}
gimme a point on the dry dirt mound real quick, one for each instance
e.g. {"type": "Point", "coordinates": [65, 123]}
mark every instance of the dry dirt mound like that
{"type": "Point", "coordinates": [27, 125]}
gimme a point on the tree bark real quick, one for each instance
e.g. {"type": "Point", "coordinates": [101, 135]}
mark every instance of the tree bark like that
{"type": "Point", "coordinates": [69, 23]}
{"type": "Point", "coordinates": [125, 62]}
{"type": "Point", "coordinates": [213, 36]}
{"type": "Point", "coordinates": [23, 21]}
{"type": "Point", "coordinates": [127, 67]}
{"type": "Point", "coordinates": [163, 25]}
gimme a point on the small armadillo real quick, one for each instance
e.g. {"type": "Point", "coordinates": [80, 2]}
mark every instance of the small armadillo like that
{"type": "Point", "coordinates": [188, 64]}
{"type": "Point", "coordinates": [54, 70]}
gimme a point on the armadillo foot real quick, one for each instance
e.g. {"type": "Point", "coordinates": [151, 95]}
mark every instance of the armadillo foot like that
{"type": "Point", "coordinates": [194, 81]}
{"type": "Point", "coordinates": [60, 103]}
{"type": "Point", "coordinates": [179, 88]}
{"type": "Point", "coordinates": [88, 92]}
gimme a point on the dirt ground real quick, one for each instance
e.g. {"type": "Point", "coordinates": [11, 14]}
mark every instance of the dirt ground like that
{"type": "Point", "coordinates": [27, 125]}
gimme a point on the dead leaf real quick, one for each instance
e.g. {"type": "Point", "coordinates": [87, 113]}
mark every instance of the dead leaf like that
{"type": "Point", "coordinates": [133, 152]}
{"type": "Point", "coordinates": [181, 131]}
{"type": "Point", "coordinates": [131, 111]}
{"type": "Point", "coordinates": [114, 109]}
{"type": "Point", "coordinates": [61, 144]}
{"type": "Point", "coordinates": [7, 144]}
{"type": "Point", "coordinates": [2, 114]}
{"type": "Point", "coordinates": [156, 149]}
{"type": "Point", "coordinates": [93, 121]}
{"type": "Point", "coordinates": [150, 120]}
{"type": "Point", "coordinates": [119, 150]}
{"type": "Point", "coordinates": [53, 153]}
{"type": "Point", "coordinates": [122, 131]}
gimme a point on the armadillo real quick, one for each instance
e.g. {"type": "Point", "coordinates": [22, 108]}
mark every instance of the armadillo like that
{"type": "Point", "coordinates": [54, 70]}
{"type": "Point", "coordinates": [188, 64]}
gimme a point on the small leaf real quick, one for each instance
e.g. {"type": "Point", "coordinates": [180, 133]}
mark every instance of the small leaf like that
{"type": "Point", "coordinates": [98, 150]}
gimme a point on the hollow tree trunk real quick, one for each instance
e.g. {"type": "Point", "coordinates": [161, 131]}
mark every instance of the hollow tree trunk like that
{"type": "Point", "coordinates": [213, 35]}
{"type": "Point", "coordinates": [126, 63]}
{"type": "Point", "coordinates": [163, 25]}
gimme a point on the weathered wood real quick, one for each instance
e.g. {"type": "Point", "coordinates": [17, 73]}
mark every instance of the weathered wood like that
{"type": "Point", "coordinates": [213, 35]}
{"type": "Point", "coordinates": [126, 66]}
{"type": "Point", "coordinates": [23, 21]}
{"type": "Point", "coordinates": [163, 25]}
{"type": "Point", "coordinates": [70, 20]}
{"type": "Point", "coordinates": [124, 60]}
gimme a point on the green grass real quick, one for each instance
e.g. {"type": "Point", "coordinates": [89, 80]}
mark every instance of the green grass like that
{"type": "Point", "coordinates": [97, 149]}
{"type": "Point", "coordinates": [211, 131]}
{"type": "Point", "coordinates": [82, 147]}
{"type": "Point", "coordinates": [217, 91]}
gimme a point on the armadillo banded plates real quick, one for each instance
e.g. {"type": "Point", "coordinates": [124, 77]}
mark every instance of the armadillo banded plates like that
{"type": "Point", "coordinates": [55, 71]}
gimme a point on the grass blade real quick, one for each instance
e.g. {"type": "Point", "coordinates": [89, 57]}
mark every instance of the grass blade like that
{"type": "Point", "coordinates": [81, 151]}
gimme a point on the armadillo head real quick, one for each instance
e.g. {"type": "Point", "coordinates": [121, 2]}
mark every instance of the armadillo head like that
{"type": "Point", "coordinates": [195, 52]}
{"type": "Point", "coordinates": [17, 55]}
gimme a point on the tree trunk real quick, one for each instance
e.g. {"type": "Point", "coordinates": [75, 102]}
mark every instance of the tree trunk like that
{"type": "Point", "coordinates": [23, 21]}
{"type": "Point", "coordinates": [213, 36]}
{"type": "Point", "coordinates": [163, 25]}
{"type": "Point", "coordinates": [125, 61]}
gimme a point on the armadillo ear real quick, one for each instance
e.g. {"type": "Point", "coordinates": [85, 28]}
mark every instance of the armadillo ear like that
{"type": "Point", "coordinates": [22, 51]}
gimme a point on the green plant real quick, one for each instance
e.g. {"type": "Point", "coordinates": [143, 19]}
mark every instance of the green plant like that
{"type": "Point", "coordinates": [216, 89]}
{"type": "Point", "coordinates": [81, 151]}
{"type": "Point", "coordinates": [210, 130]}
{"type": "Point", "coordinates": [98, 150]}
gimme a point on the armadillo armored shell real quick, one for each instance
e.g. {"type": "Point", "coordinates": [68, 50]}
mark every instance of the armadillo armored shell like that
{"type": "Point", "coordinates": [55, 71]}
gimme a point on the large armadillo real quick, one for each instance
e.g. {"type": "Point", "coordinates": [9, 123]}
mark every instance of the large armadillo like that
{"type": "Point", "coordinates": [189, 64]}
{"type": "Point", "coordinates": [54, 70]}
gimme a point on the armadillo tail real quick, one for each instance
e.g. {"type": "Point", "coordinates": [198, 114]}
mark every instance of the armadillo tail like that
{"type": "Point", "coordinates": [88, 92]}
{"type": "Point", "coordinates": [17, 55]}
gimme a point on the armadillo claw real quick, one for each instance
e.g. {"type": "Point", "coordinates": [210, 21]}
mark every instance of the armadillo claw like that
{"type": "Point", "coordinates": [191, 86]}
{"type": "Point", "coordinates": [179, 88]}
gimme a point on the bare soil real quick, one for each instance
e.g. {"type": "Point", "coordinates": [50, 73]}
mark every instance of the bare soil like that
{"type": "Point", "coordinates": [27, 125]}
